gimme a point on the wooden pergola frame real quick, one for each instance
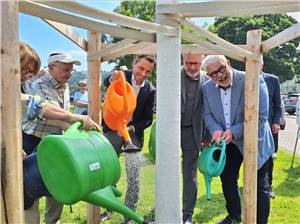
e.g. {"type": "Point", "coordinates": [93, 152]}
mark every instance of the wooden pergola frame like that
{"type": "Point", "coordinates": [140, 37]}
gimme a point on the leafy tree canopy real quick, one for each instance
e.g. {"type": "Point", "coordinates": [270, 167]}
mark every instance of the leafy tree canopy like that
{"type": "Point", "coordinates": [144, 10]}
{"type": "Point", "coordinates": [282, 61]}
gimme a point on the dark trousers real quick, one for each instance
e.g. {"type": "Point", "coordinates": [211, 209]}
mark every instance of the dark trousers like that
{"type": "Point", "coordinates": [271, 161]}
{"type": "Point", "coordinates": [190, 155]}
{"type": "Point", "coordinates": [229, 179]}
{"type": "Point", "coordinates": [30, 142]}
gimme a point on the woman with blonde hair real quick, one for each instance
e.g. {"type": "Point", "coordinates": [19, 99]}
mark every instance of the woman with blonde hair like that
{"type": "Point", "coordinates": [29, 61]}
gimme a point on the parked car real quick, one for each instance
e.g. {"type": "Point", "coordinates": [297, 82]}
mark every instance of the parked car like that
{"type": "Point", "coordinates": [290, 103]}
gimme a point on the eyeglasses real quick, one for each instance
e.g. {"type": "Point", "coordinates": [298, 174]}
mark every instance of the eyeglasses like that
{"type": "Point", "coordinates": [188, 63]}
{"type": "Point", "coordinates": [214, 74]}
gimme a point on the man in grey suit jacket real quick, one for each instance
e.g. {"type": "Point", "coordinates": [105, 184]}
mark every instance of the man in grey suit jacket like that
{"type": "Point", "coordinates": [223, 101]}
{"type": "Point", "coordinates": [191, 129]}
{"type": "Point", "coordinates": [275, 113]}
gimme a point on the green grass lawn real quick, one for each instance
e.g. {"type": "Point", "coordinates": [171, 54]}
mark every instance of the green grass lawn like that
{"type": "Point", "coordinates": [285, 208]}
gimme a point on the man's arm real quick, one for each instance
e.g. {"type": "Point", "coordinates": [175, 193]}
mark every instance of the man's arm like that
{"type": "Point", "coordinates": [263, 102]}
{"type": "Point", "coordinates": [147, 114]}
{"type": "Point", "coordinates": [209, 120]}
{"type": "Point", "coordinates": [276, 102]}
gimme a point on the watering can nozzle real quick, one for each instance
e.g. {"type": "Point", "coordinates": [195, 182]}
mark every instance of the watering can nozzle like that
{"type": "Point", "coordinates": [130, 147]}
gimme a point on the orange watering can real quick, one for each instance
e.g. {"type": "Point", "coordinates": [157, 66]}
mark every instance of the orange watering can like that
{"type": "Point", "coordinates": [119, 105]}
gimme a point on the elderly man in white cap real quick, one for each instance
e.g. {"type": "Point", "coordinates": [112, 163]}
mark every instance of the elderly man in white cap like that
{"type": "Point", "coordinates": [51, 86]}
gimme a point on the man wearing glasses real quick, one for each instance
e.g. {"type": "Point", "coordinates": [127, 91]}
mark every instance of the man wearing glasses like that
{"type": "Point", "coordinates": [191, 129]}
{"type": "Point", "coordinates": [53, 87]}
{"type": "Point", "coordinates": [223, 99]}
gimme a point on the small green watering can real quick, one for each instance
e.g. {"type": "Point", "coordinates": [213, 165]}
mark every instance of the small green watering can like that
{"type": "Point", "coordinates": [211, 163]}
{"type": "Point", "coordinates": [82, 165]}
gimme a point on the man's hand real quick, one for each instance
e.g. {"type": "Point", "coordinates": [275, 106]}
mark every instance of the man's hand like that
{"type": "Point", "coordinates": [275, 128]}
{"type": "Point", "coordinates": [88, 123]}
{"type": "Point", "coordinates": [113, 76]}
{"type": "Point", "coordinates": [227, 135]}
{"type": "Point", "coordinates": [24, 155]}
{"type": "Point", "coordinates": [216, 136]}
{"type": "Point", "coordinates": [131, 129]}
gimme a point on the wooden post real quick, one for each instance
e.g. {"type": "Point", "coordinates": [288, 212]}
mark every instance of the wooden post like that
{"type": "Point", "coordinates": [251, 128]}
{"type": "Point", "coordinates": [94, 98]}
{"type": "Point", "coordinates": [11, 160]}
{"type": "Point", "coordinates": [167, 186]}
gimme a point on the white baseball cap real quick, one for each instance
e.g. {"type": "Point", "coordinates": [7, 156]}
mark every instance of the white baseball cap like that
{"type": "Point", "coordinates": [62, 57]}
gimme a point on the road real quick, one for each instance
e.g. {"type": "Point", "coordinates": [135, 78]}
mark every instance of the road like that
{"type": "Point", "coordinates": [287, 137]}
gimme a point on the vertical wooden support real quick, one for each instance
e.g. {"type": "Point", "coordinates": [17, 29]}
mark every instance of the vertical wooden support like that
{"type": "Point", "coordinates": [167, 188]}
{"type": "Point", "coordinates": [94, 98]}
{"type": "Point", "coordinates": [251, 128]}
{"type": "Point", "coordinates": [11, 160]}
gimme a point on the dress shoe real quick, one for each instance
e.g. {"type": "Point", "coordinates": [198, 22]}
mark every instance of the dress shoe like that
{"type": "Point", "coordinates": [230, 220]}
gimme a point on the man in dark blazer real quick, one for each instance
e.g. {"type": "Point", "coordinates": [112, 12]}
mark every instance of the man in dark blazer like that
{"type": "Point", "coordinates": [141, 119]}
{"type": "Point", "coordinates": [223, 100]}
{"type": "Point", "coordinates": [275, 113]}
{"type": "Point", "coordinates": [191, 129]}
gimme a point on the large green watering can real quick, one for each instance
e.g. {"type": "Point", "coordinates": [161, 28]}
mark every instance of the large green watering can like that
{"type": "Point", "coordinates": [211, 163]}
{"type": "Point", "coordinates": [82, 165]}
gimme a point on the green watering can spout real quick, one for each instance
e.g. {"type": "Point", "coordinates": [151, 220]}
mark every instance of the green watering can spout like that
{"type": "Point", "coordinates": [211, 163]}
{"type": "Point", "coordinates": [107, 198]}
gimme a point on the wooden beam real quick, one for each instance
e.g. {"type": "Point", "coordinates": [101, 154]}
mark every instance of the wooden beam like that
{"type": "Point", "coordinates": [282, 37]}
{"type": "Point", "coordinates": [217, 48]}
{"type": "Point", "coordinates": [214, 38]}
{"type": "Point", "coordinates": [126, 51]}
{"type": "Point", "coordinates": [110, 50]}
{"type": "Point", "coordinates": [55, 15]}
{"type": "Point", "coordinates": [112, 17]}
{"type": "Point", "coordinates": [251, 128]}
{"type": "Point", "coordinates": [185, 49]}
{"type": "Point", "coordinates": [94, 99]}
{"type": "Point", "coordinates": [223, 8]}
{"type": "Point", "coordinates": [11, 139]}
{"type": "Point", "coordinates": [68, 32]}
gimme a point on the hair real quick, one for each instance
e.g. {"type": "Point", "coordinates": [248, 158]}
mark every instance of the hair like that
{"type": "Point", "coordinates": [211, 59]}
{"type": "Point", "coordinates": [149, 58]}
{"type": "Point", "coordinates": [184, 55]}
{"type": "Point", "coordinates": [28, 54]}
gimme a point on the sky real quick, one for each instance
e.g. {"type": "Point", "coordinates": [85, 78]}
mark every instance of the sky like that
{"type": "Point", "coordinates": [45, 39]}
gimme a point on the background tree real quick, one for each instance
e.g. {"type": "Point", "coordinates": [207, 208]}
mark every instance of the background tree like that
{"type": "Point", "coordinates": [144, 10]}
{"type": "Point", "coordinates": [283, 61]}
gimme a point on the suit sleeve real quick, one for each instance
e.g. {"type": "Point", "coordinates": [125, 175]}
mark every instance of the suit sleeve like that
{"type": "Point", "coordinates": [277, 106]}
{"type": "Point", "coordinates": [263, 103]}
{"type": "Point", "coordinates": [106, 82]}
{"type": "Point", "coordinates": [210, 122]}
{"type": "Point", "coordinates": [147, 111]}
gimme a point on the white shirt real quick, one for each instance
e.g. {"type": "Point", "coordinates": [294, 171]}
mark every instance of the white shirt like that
{"type": "Point", "coordinates": [225, 98]}
{"type": "Point", "coordinates": [135, 86]}
{"type": "Point", "coordinates": [226, 102]}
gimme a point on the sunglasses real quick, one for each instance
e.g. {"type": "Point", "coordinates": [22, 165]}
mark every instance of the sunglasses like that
{"type": "Point", "coordinates": [214, 74]}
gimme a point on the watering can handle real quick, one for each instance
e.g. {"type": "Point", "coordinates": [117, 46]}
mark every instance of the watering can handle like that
{"type": "Point", "coordinates": [74, 128]}
{"type": "Point", "coordinates": [223, 150]}
{"type": "Point", "coordinates": [121, 77]}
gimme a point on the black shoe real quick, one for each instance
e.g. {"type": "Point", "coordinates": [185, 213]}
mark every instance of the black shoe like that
{"type": "Point", "coordinates": [272, 194]}
{"type": "Point", "coordinates": [188, 220]}
{"type": "Point", "coordinates": [104, 216]}
{"type": "Point", "coordinates": [229, 220]}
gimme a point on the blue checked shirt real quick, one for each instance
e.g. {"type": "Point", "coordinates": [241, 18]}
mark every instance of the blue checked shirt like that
{"type": "Point", "coordinates": [51, 90]}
